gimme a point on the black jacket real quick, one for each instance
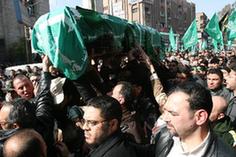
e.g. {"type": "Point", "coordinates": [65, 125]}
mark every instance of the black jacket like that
{"type": "Point", "coordinates": [216, 147]}
{"type": "Point", "coordinates": [43, 102]}
{"type": "Point", "coordinates": [116, 146]}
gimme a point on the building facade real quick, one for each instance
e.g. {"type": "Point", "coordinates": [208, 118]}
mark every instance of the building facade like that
{"type": "Point", "coordinates": [16, 19]}
{"type": "Point", "coordinates": [202, 21]}
{"type": "Point", "coordinates": [159, 14]}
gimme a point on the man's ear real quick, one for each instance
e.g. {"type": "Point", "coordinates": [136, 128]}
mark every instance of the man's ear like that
{"type": "Point", "coordinates": [114, 125]}
{"type": "Point", "coordinates": [220, 116]}
{"type": "Point", "coordinates": [121, 99]}
{"type": "Point", "coordinates": [201, 117]}
{"type": "Point", "coordinates": [15, 126]}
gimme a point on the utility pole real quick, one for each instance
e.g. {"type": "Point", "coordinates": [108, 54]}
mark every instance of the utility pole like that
{"type": "Point", "coordinates": [28, 44]}
{"type": "Point", "coordinates": [166, 24]}
{"type": "Point", "coordinates": [93, 5]}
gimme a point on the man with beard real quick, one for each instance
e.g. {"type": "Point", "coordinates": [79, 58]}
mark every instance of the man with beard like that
{"type": "Point", "coordinates": [186, 114]}
{"type": "Point", "coordinates": [101, 125]}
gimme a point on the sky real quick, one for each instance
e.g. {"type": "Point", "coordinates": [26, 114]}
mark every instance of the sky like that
{"type": "Point", "coordinates": [60, 3]}
{"type": "Point", "coordinates": [209, 7]}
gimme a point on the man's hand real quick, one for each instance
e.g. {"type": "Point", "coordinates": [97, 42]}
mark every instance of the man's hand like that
{"type": "Point", "coordinates": [46, 63]}
{"type": "Point", "coordinates": [36, 87]}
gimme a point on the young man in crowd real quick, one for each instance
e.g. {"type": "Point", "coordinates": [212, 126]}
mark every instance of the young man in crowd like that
{"type": "Point", "coordinates": [215, 80]}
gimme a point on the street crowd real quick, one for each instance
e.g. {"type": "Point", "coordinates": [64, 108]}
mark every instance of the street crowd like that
{"type": "Point", "coordinates": [128, 105]}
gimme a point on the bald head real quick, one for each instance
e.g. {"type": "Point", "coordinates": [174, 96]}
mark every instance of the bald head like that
{"type": "Point", "coordinates": [4, 114]}
{"type": "Point", "coordinates": [25, 143]}
{"type": "Point", "coordinates": [219, 108]}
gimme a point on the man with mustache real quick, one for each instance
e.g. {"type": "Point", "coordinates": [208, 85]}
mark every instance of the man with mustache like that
{"type": "Point", "coordinates": [186, 113]}
{"type": "Point", "coordinates": [101, 125]}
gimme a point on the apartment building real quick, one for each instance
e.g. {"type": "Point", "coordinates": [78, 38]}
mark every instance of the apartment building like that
{"type": "Point", "coordinates": [159, 14]}
{"type": "Point", "coordinates": [16, 17]}
{"type": "Point", "coordinates": [202, 21]}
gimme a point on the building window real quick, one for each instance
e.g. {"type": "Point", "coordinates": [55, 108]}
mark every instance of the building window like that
{"type": "Point", "coordinates": [31, 11]}
{"type": "Point", "coordinates": [162, 14]}
{"type": "Point", "coordinates": [2, 44]}
{"type": "Point", "coordinates": [147, 10]}
{"type": "Point", "coordinates": [168, 3]}
{"type": "Point", "coordinates": [30, 6]}
{"type": "Point", "coordinates": [148, 20]}
{"type": "Point", "coordinates": [180, 9]}
{"type": "Point", "coordinates": [162, 24]}
{"type": "Point", "coordinates": [134, 10]}
{"type": "Point", "coordinates": [105, 8]}
{"type": "Point", "coordinates": [168, 12]}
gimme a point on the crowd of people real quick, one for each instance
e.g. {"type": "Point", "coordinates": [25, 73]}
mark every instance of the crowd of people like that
{"type": "Point", "coordinates": [127, 104]}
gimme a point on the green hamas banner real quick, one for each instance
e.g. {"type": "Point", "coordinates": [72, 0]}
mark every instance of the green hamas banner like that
{"type": "Point", "coordinates": [123, 34]}
{"type": "Point", "coordinates": [172, 40]}
{"type": "Point", "coordinates": [203, 45]}
{"type": "Point", "coordinates": [231, 27]}
{"type": "Point", "coordinates": [57, 35]}
{"type": "Point", "coordinates": [68, 35]}
{"type": "Point", "coordinates": [190, 37]}
{"type": "Point", "coordinates": [213, 29]}
{"type": "Point", "coordinates": [215, 45]}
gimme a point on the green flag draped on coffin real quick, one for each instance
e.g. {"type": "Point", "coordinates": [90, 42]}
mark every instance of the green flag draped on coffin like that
{"type": "Point", "coordinates": [56, 34]}
{"type": "Point", "coordinates": [65, 35]}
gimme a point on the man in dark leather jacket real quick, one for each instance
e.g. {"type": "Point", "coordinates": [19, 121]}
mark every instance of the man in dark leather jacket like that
{"type": "Point", "coordinates": [186, 113]}
{"type": "Point", "coordinates": [101, 125]}
{"type": "Point", "coordinates": [215, 148]}
{"type": "Point", "coordinates": [42, 100]}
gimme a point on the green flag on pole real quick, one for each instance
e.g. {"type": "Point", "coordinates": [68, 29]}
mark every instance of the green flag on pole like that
{"type": "Point", "coordinates": [193, 49]}
{"type": "Point", "coordinates": [229, 44]}
{"type": "Point", "coordinates": [203, 45]}
{"type": "Point", "coordinates": [172, 40]}
{"type": "Point", "coordinates": [231, 28]}
{"type": "Point", "coordinates": [224, 21]}
{"type": "Point", "coordinates": [213, 29]}
{"type": "Point", "coordinates": [215, 45]}
{"type": "Point", "coordinates": [190, 37]}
